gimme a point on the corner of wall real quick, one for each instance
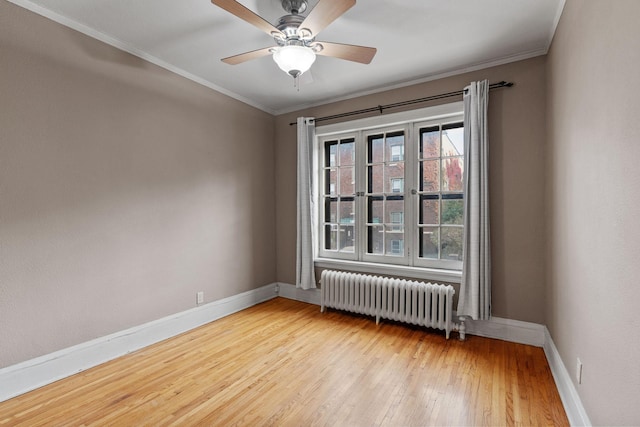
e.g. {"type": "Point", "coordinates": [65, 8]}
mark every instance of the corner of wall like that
{"type": "Point", "coordinates": [568, 393]}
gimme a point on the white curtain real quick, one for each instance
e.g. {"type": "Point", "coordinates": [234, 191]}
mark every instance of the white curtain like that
{"type": "Point", "coordinates": [306, 224]}
{"type": "Point", "coordinates": [475, 288]}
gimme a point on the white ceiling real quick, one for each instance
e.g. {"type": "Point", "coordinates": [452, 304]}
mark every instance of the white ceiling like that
{"type": "Point", "coordinates": [417, 40]}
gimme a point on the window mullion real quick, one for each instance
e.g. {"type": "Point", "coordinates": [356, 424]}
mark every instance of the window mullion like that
{"type": "Point", "coordinates": [361, 183]}
{"type": "Point", "coordinates": [410, 206]}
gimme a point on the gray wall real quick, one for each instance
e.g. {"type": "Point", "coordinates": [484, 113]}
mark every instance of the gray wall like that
{"type": "Point", "coordinates": [593, 206]}
{"type": "Point", "coordinates": [517, 132]}
{"type": "Point", "coordinates": [124, 190]}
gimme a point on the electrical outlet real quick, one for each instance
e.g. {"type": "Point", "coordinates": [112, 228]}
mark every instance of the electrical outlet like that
{"type": "Point", "coordinates": [200, 297]}
{"type": "Point", "coordinates": [578, 371]}
{"type": "Point", "coordinates": [277, 288]}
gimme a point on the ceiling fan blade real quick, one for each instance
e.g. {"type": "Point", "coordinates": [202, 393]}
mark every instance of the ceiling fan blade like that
{"type": "Point", "coordinates": [247, 56]}
{"type": "Point", "coordinates": [247, 15]}
{"type": "Point", "coordinates": [350, 52]}
{"type": "Point", "coordinates": [324, 13]}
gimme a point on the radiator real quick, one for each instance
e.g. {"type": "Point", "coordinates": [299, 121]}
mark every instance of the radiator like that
{"type": "Point", "coordinates": [417, 303]}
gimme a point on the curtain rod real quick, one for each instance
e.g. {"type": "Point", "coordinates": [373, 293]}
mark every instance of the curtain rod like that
{"type": "Point", "coordinates": [381, 108]}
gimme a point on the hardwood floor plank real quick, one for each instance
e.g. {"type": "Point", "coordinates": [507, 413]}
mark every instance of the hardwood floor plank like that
{"type": "Point", "coordinates": [283, 363]}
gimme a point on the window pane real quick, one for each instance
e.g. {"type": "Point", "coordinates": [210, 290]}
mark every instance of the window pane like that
{"type": "Point", "coordinates": [394, 206]}
{"type": "Point", "coordinates": [375, 210]}
{"type": "Point", "coordinates": [347, 211]}
{"type": "Point", "coordinates": [429, 242]}
{"type": "Point", "coordinates": [453, 141]}
{"type": "Point", "coordinates": [394, 146]}
{"type": "Point", "coordinates": [452, 170]}
{"type": "Point", "coordinates": [395, 244]}
{"type": "Point", "coordinates": [394, 175]}
{"type": "Point", "coordinates": [330, 210]}
{"type": "Point", "coordinates": [330, 149]}
{"type": "Point", "coordinates": [375, 149]}
{"type": "Point", "coordinates": [430, 144]}
{"type": "Point", "coordinates": [429, 176]}
{"type": "Point", "coordinates": [451, 243]}
{"type": "Point", "coordinates": [347, 238]}
{"type": "Point", "coordinates": [347, 153]}
{"type": "Point", "coordinates": [396, 218]}
{"type": "Point", "coordinates": [331, 181]}
{"type": "Point", "coordinates": [395, 170]}
{"type": "Point", "coordinates": [429, 210]}
{"type": "Point", "coordinates": [452, 211]}
{"type": "Point", "coordinates": [396, 185]}
{"type": "Point", "coordinates": [375, 240]}
{"type": "Point", "coordinates": [347, 181]}
{"type": "Point", "coordinates": [397, 153]}
{"type": "Point", "coordinates": [376, 179]}
{"type": "Point", "coordinates": [331, 237]}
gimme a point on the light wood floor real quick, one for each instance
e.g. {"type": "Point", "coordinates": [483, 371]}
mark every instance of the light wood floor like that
{"type": "Point", "coordinates": [284, 363]}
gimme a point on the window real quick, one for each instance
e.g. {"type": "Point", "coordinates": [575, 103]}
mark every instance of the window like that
{"type": "Point", "coordinates": [384, 193]}
{"type": "Point", "coordinates": [440, 207]}
{"type": "Point", "coordinates": [339, 195]}
{"type": "Point", "coordinates": [393, 194]}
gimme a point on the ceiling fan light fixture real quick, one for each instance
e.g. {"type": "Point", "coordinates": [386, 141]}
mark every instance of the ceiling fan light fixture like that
{"type": "Point", "coordinates": [294, 60]}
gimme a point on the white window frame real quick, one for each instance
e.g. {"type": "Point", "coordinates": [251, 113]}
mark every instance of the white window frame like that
{"type": "Point", "coordinates": [319, 147]}
{"type": "Point", "coordinates": [409, 265]}
{"type": "Point", "coordinates": [389, 257]}
{"type": "Point", "coordinates": [425, 262]}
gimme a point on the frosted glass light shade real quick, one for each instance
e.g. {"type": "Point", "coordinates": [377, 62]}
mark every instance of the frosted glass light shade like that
{"type": "Point", "coordinates": [294, 60]}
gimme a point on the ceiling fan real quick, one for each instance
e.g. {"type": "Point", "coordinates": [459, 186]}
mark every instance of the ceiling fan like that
{"type": "Point", "coordinates": [295, 35]}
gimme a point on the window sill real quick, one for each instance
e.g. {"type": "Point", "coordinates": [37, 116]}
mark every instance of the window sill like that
{"type": "Point", "coordinates": [422, 273]}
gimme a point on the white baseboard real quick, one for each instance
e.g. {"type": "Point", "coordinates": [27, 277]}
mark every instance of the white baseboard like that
{"type": "Point", "coordinates": [31, 374]}
{"type": "Point", "coordinates": [311, 296]}
{"type": "Point", "coordinates": [568, 393]}
{"type": "Point", "coordinates": [508, 330]}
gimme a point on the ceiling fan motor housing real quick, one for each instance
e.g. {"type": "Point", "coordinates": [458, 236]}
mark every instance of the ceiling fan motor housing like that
{"type": "Point", "coordinates": [294, 7]}
{"type": "Point", "coordinates": [289, 25]}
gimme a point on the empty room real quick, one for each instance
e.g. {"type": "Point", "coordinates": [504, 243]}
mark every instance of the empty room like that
{"type": "Point", "coordinates": [319, 212]}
